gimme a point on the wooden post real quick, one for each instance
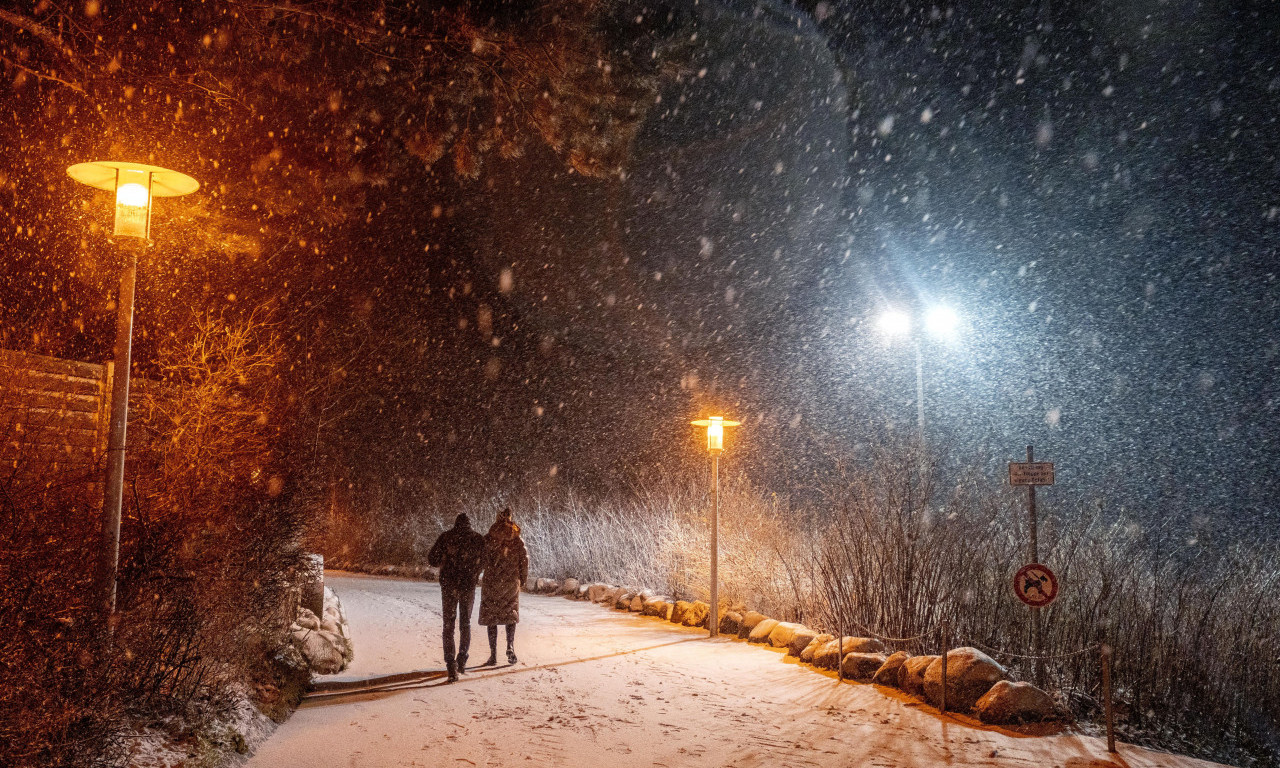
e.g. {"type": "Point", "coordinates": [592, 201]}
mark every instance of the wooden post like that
{"type": "Point", "coordinates": [312, 592]}
{"type": "Point", "coordinates": [946, 642]}
{"type": "Point", "coordinates": [840, 648]}
{"type": "Point", "coordinates": [1106, 697]}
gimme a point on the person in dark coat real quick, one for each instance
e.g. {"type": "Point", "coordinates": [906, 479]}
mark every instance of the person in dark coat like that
{"type": "Point", "coordinates": [506, 569]}
{"type": "Point", "coordinates": [458, 553]}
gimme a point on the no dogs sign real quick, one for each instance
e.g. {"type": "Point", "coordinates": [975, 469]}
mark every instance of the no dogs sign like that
{"type": "Point", "coordinates": [1035, 585]}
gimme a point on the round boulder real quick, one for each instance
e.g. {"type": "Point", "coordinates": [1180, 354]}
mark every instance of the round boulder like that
{"type": "Point", "coordinates": [679, 610]}
{"type": "Point", "coordinates": [887, 674]}
{"type": "Point", "coordinates": [597, 592]}
{"type": "Point", "coordinates": [782, 634]}
{"type": "Point", "coordinates": [623, 602]}
{"type": "Point", "coordinates": [656, 606]}
{"type": "Point", "coordinates": [637, 604]}
{"type": "Point", "coordinates": [911, 674]}
{"type": "Point", "coordinates": [749, 621]}
{"type": "Point", "coordinates": [569, 587]}
{"type": "Point", "coordinates": [1014, 703]}
{"type": "Point", "coordinates": [814, 646]}
{"type": "Point", "coordinates": [970, 673]}
{"type": "Point", "coordinates": [730, 622]}
{"type": "Point", "coordinates": [800, 640]}
{"type": "Point", "coordinates": [760, 633]}
{"type": "Point", "coordinates": [830, 654]}
{"type": "Point", "coordinates": [861, 666]}
{"type": "Point", "coordinates": [696, 615]}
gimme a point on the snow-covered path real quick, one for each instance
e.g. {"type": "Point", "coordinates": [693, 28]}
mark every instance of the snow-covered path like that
{"type": "Point", "coordinates": [599, 688]}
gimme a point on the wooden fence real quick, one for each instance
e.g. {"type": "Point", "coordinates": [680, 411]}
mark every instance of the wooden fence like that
{"type": "Point", "coordinates": [52, 421]}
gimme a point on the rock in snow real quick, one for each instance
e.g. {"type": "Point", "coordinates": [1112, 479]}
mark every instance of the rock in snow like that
{"type": "Point", "coordinates": [696, 615]}
{"type": "Point", "coordinates": [829, 655]}
{"type": "Point", "coordinates": [970, 674]}
{"type": "Point", "coordinates": [887, 674]}
{"type": "Point", "coordinates": [814, 646]}
{"type": "Point", "coordinates": [911, 674]}
{"type": "Point", "coordinates": [782, 634]}
{"type": "Point", "coordinates": [800, 640]}
{"type": "Point", "coordinates": [760, 633]}
{"type": "Point", "coordinates": [1012, 703]}
{"type": "Point", "coordinates": [861, 666]}
{"type": "Point", "coordinates": [749, 621]}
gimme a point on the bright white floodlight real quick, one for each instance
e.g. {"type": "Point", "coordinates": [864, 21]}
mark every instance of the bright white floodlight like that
{"type": "Point", "coordinates": [941, 321]}
{"type": "Point", "coordinates": [895, 323]}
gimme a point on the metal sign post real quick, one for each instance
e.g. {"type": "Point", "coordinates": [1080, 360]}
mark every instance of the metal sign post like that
{"type": "Point", "coordinates": [1031, 474]}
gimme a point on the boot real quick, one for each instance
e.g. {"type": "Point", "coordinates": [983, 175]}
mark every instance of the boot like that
{"type": "Point", "coordinates": [462, 663]}
{"type": "Point", "coordinates": [511, 655]}
{"type": "Point", "coordinates": [453, 673]}
{"type": "Point", "coordinates": [493, 659]}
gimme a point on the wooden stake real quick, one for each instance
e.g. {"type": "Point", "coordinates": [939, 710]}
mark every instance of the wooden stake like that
{"type": "Point", "coordinates": [946, 641]}
{"type": "Point", "coordinates": [1106, 697]}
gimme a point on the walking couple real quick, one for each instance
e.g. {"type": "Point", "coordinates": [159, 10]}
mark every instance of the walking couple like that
{"type": "Point", "coordinates": [461, 554]}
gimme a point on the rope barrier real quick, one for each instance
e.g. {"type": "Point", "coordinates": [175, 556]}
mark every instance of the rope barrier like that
{"type": "Point", "coordinates": [1001, 652]}
{"type": "Point", "coordinates": [888, 639]}
{"type": "Point", "coordinates": [997, 651]}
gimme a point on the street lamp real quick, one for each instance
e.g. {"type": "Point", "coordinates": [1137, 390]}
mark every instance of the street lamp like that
{"type": "Point", "coordinates": [135, 186]}
{"type": "Point", "coordinates": [940, 321]}
{"type": "Point", "coordinates": [715, 446]}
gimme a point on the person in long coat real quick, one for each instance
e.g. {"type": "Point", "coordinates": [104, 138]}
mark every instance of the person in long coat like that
{"type": "Point", "coordinates": [506, 569]}
{"type": "Point", "coordinates": [459, 554]}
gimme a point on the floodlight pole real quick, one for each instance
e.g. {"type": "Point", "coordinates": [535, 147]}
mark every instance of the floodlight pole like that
{"type": "Point", "coordinates": [919, 388]}
{"type": "Point", "coordinates": [713, 618]}
{"type": "Point", "coordinates": [118, 421]}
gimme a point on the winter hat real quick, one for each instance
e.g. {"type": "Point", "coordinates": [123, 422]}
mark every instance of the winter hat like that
{"type": "Point", "coordinates": [462, 521]}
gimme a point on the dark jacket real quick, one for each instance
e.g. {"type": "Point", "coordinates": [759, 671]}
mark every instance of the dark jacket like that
{"type": "Point", "coordinates": [458, 554]}
{"type": "Point", "coordinates": [506, 567]}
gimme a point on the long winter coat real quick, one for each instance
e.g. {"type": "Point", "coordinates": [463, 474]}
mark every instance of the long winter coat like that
{"type": "Point", "coordinates": [506, 567]}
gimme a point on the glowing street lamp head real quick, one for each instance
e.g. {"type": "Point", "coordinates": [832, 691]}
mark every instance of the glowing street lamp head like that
{"type": "Point", "coordinates": [895, 323]}
{"type": "Point", "coordinates": [715, 431]}
{"type": "Point", "coordinates": [942, 321]}
{"type": "Point", "coordinates": [135, 185]}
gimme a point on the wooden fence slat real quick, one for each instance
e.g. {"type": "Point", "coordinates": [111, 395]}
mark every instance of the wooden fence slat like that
{"type": "Point", "coordinates": [49, 419]}
{"type": "Point", "coordinates": [67, 401]}
{"type": "Point", "coordinates": [41, 363]}
{"type": "Point", "coordinates": [79, 439]}
{"type": "Point", "coordinates": [16, 380]}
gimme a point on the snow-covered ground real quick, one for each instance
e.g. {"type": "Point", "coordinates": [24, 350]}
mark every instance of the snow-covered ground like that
{"type": "Point", "coordinates": [598, 688]}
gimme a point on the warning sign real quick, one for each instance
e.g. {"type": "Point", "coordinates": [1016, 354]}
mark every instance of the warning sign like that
{"type": "Point", "coordinates": [1031, 473]}
{"type": "Point", "coordinates": [1035, 585]}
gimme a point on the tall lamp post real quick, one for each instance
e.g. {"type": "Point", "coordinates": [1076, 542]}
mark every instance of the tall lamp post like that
{"type": "Point", "coordinates": [939, 321]}
{"type": "Point", "coordinates": [715, 446]}
{"type": "Point", "coordinates": [134, 185]}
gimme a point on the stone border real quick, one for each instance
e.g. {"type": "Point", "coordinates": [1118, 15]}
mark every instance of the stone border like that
{"type": "Point", "coordinates": [975, 683]}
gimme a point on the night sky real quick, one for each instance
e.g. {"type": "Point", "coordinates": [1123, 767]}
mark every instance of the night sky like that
{"type": "Point", "coordinates": [1091, 187]}
{"type": "Point", "coordinates": [1093, 190]}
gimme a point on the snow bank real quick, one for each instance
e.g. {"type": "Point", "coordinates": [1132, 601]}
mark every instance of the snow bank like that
{"type": "Point", "coordinates": [324, 642]}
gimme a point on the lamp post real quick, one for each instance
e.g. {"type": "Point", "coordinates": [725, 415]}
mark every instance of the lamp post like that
{"type": "Point", "coordinates": [715, 446]}
{"type": "Point", "coordinates": [940, 321]}
{"type": "Point", "coordinates": [135, 186]}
